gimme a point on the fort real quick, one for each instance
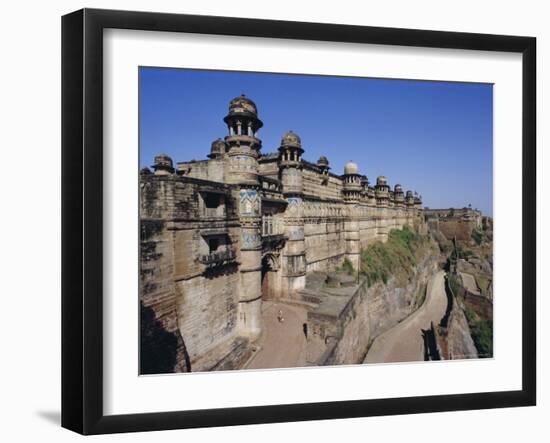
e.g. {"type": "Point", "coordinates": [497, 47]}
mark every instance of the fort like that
{"type": "Point", "coordinates": [229, 241]}
{"type": "Point", "coordinates": [455, 223]}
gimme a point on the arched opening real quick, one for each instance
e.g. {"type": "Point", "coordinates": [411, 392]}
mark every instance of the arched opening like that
{"type": "Point", "coordinates": [269, 272]}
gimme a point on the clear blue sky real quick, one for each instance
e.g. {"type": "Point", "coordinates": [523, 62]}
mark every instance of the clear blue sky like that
{"type": "Point", "coordinates": [432, 137]}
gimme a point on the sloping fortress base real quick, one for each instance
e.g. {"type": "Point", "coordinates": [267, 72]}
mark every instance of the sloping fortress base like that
{"type": "Point", "coordinates": [454, 223]}
{"type": "Point", "coordinates": [223, 236]}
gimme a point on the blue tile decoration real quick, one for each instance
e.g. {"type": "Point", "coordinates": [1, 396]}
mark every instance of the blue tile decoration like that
{"type": "Point", "coordinates": [249, 203]}
{"type": "Point", "coordinates": [250, 241]}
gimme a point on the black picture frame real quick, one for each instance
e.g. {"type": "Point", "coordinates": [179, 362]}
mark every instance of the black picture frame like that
{"type": "Point", "coordinates": [82, 218]}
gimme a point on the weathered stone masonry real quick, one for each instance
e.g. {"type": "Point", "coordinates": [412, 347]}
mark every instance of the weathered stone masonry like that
{"type": "Point", "coordinates": [454, 223]}
{"type": "Point", "coordinates": [223, 234]}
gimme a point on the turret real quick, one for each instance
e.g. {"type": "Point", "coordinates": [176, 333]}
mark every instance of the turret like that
{"type": "Point", "coordinates": [371, 196]}
{"type": "Point", "coordinates": [163, 165]}
{"type": "Point", "coordinates": [352, 182]}
{"type": "Point", "coordinates": [399, 196]}
{"type": "Point", "coordinates": [242, 143]}
{"type": "Point", "coordinates": [417, 201]}
{"type": "Point", "coordinates": [242, 121]}
{"type": "Point", "coordinates": [291, 166]}
{"type": "Point", "coordinates": [391, 202]}
{"type": "Point", "coordinates": [323, 165]}
{"type": "Point", "coordinates": [352, 190]}
{"type": "Point", "coordinates": [409, 199]}
{"type": "Point", "coordinates": [364, 188]}
{"type": "Point", "coordinates": [242, 147]}
{"type": "Point", "coordinates": [290, 163]}
{"type": "Point", "coordinates": [382, 191]}
{"type": "Point", "coordinates": [217, 150]}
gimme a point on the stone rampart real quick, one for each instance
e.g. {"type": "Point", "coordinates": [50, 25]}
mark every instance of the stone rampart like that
{"type": "Point", "coordinates": [348, 319]}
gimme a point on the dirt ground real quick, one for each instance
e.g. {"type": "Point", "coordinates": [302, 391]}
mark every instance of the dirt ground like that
{"type": "Point", "coordinates": [283, 343]}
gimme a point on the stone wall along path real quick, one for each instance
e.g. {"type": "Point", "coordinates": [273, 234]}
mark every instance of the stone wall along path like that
{"type": "Point", "coordinates": [404, 342]}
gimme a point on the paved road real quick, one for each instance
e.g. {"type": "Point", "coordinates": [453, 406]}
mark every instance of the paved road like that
{"type": "Point", "coordinates": [283, 344]}
{"type": "Point", "coordinates": [404, 341]}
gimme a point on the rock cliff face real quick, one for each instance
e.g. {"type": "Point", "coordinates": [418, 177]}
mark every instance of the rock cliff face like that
{"type": "Point", "coordinates": [459, 339]}
{"type": "Point", "coordinates": [468, 331]}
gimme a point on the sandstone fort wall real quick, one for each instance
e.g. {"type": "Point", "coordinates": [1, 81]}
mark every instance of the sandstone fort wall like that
{"type": "Point", "coordinates": [243, 227]}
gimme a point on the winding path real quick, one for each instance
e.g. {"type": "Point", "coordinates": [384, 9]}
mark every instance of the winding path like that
{"type": "Point", "coordinates": [404, 341]}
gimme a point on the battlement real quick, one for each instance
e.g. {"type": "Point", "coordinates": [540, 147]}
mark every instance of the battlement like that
{"type": "Point", "coordinates": [455, 223]}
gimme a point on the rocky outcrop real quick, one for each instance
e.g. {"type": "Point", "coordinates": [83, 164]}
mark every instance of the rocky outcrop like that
{"type": "Point", "coordinates": [460, 344]}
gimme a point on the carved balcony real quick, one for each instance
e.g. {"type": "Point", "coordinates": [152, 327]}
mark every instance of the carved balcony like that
{"type": "Point", "coordinates": [218, 258]}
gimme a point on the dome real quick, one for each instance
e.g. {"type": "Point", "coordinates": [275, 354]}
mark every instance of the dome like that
{"type": "Point", "coordinates": [381, 181]}
{"type": "Point", "coordinates": [163, 160]}
{"type": "Point", "coordinates": [323, 161]}
{"type": "Point", "coordinates": [291, 139]}
{"type": "Point", "coordinates": [351, 168]}
{"type": "Point", "coordinates": [217, 149]}
{"type": "Point", "coordinates": [163, 164]}
{"type": "Point", "coordinates": [242, 105]}
{"type": "Point", "coordinates": [398, 188]}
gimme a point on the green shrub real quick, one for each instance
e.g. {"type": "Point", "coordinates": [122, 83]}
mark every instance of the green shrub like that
{"type": "Point", "coordinates": [454, 283]}
{"type": "Point", "coordinates": [471, 316]}
{"type": "Point", "coordinates": [347, 266]}
{"type": "Point", "coordinates": [477, 235]}
{"type": "Point", "coordinates": [482, 334]}
{"type": "Point", "coordinates": [482, 281]}
{"type": "Point", "coordinates": [396, 257]}
{"type": "Point", "coordinates": [465, 253]}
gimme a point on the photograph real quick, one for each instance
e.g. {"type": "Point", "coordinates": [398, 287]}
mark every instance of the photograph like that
{"type": "Point", "coordinates": [273, 222]}
{"type": "Point", "coordinates": [294, 220]}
